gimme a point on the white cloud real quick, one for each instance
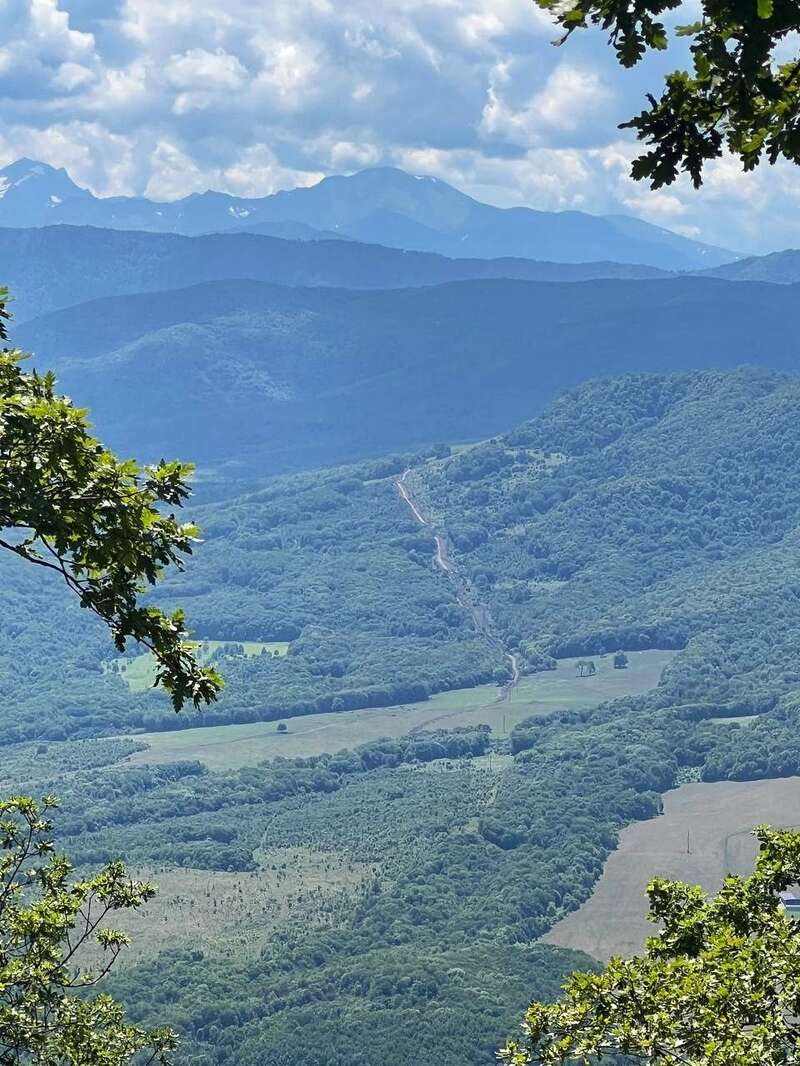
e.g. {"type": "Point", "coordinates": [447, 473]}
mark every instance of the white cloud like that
{"type": "Point", "coordinates": [255, 173]}
{"type": "Point", "coordinates": [201, 69]}
{"type": "Point", "coordinates": [72, 76]}
{"type": "Point", "coordinates": [175, 96]}
{"type": "Point", "coordinates": [290, 71]}
{"type": "Point", "coordinates": [571, 100]}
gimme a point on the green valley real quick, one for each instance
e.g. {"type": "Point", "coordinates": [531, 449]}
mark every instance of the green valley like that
{"type": "Point", "coordinates": [454, 817]}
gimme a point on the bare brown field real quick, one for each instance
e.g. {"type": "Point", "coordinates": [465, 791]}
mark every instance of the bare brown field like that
{"type": "Point", "coordinates": [232, 746]}
{"type": "Point", "coordinates": [234, 914]}
{"type": "Point", "coordinates": [703, 835]}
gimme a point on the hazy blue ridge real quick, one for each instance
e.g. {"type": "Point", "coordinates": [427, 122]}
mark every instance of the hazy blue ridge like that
{"type": "Point", "coordinates": [273, 379]}
{"type": "Point", "coordinates": [53, 267]}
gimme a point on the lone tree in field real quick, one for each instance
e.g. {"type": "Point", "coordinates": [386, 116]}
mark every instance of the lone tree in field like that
{"type": "Point", "coordinates": [741, 93]}
{"type": "Point", "coordinates": [69, 506]}
{"type": "Point", "coordinates": [718, 986]}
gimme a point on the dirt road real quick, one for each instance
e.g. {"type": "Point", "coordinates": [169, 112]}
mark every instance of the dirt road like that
{"type": "Point", "coordinates": [481, 616]}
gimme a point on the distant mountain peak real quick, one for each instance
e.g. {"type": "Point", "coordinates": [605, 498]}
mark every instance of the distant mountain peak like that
{"type": "Point", "coordinates": [30, 191]}
{"type": "Point", "coordinates": [378, 205]}
{"type": "Point", "coordinates": [26, 169]}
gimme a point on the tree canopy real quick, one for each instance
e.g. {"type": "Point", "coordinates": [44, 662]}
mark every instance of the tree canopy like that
{"type": "Point", "coordinates": [55, 948]}
{"type": "Point", "coordinates": [720, 984]}
{"type": "Point", "coordinates": [742, 92]}
{"type": "Point", "coordinates": [69, 505]}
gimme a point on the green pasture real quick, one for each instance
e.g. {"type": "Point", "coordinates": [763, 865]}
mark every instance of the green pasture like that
{"type": "Point", "coordinates": [743, 720]}
{"type": "Point", "coordinates": [232, 746]}
{"type": "Point", "coordinates": [140, 672]}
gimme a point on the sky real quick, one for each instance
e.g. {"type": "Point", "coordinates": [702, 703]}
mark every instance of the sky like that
{"type": "Point", "coordinates": [169, 97]}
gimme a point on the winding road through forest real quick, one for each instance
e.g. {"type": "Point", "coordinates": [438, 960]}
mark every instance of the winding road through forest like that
{"type": "Point", "coordinates": [481, 616]}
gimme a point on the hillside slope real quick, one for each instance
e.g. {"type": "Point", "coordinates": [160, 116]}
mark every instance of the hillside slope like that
{"type": "Point", "coordinates": [270, 379]}
{"type": "Point", "coordinates": [639, 512]}
{"type": "Point", "coordinates": [384, 205]}
{"type": "Point", "coordinates": [668, 515]}
{"type": "Point", "coordinates": [780, 268]}
{"type": "Point", "coordinates": [57, 266]}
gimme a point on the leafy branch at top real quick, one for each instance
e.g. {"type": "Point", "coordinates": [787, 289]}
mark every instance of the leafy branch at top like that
{"type": "Point", "coordinates": [737, 95]}
{"type": "Point", "coordinates": [67, 504]}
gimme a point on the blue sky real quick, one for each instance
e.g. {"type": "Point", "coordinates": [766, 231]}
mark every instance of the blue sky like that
{"type": "Point", "coordinates": [168, 97]}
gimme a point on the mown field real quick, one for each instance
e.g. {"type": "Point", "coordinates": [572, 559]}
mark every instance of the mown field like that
{"type": "Point", "coordinates": [704, 834]}
{"type": "Point", "coordinates": [233, 746]}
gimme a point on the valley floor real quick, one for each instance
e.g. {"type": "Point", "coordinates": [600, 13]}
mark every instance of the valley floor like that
{"type": "Point", "coordinates": [704, 834]}
{"type": "Point", "coordinates": [233, 746]}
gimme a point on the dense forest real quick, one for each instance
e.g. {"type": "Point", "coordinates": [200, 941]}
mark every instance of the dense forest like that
{"type": "Point", "coordinates": [269, 374]}
{"type": "Point", "coordinates": [646, 512]}
{"type": "Point", "coordinates": [473, 864]}
{"type": "Point", "coordinates": [642, 512]}
{"type": "Point", "coordinates": [330, 562]}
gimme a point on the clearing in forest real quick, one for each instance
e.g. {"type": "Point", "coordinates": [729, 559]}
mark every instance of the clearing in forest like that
{"type": "Point", "coordinates": [703, 835]}
{"type": "Point", "coordinates": [139, 672]}
{"type": "Point", "coordinates": [234, 914]}
{"type": "Point", "coordinates": [232, 746]}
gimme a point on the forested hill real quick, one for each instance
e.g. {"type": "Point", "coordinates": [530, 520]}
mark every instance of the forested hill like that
{"type": "Point", "coordinates": [642, 512]}
{"type": "Point", "coordinates": [267, 378]}
{"type": "Point", "coordinates": [668, 517]}
{"type": "Point", "coordinates": [58, 266]}
{"type": "Point", "coordinates": [780, 268]}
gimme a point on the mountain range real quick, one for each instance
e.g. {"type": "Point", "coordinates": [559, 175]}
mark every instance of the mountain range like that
{"type": "Point", "coordinates": [266, 378]}
{"type": "Point", "coordinates": [56, 266]}
{"type": "Point", "coordinates": [383, 206]}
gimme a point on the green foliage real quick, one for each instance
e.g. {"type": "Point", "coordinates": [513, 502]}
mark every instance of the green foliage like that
{"type": "Point", "coordinates": [742, 92]}
{"type": "Point", "coordinates": [665, 517]}
{"type": "Point", "coordinates": [451, 900]}
{"type": "Point", "coordinates": [719, 984]}
{"type": "Point", "coordinates": [635, 513]}
{"type": "Point", "coordinates": [49, 1012]}
{"type": "Point", "coordinates": [69, 506]}
{"type": "Point", "coordinates": [472, 865]}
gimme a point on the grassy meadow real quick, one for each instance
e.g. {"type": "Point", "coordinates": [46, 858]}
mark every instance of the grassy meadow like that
{"type": "Point", "coordinates": [139, 673]}
{"type": "Point", "coordinates": [233, 746]}
{"type": "Point", "coordinates": [234, 914]}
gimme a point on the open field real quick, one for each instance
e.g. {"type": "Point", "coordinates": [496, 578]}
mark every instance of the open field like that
{"type": "Point", "coordinates": [233, 914]}
{"type": "Point", "coordinates": [226, 747]}
{"type": "Point", "coordinates": [704, 834]}
{"type": "Point", "coordinates": [561, 687]}
{"type": "Point", "coordinates": [140, 672]}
